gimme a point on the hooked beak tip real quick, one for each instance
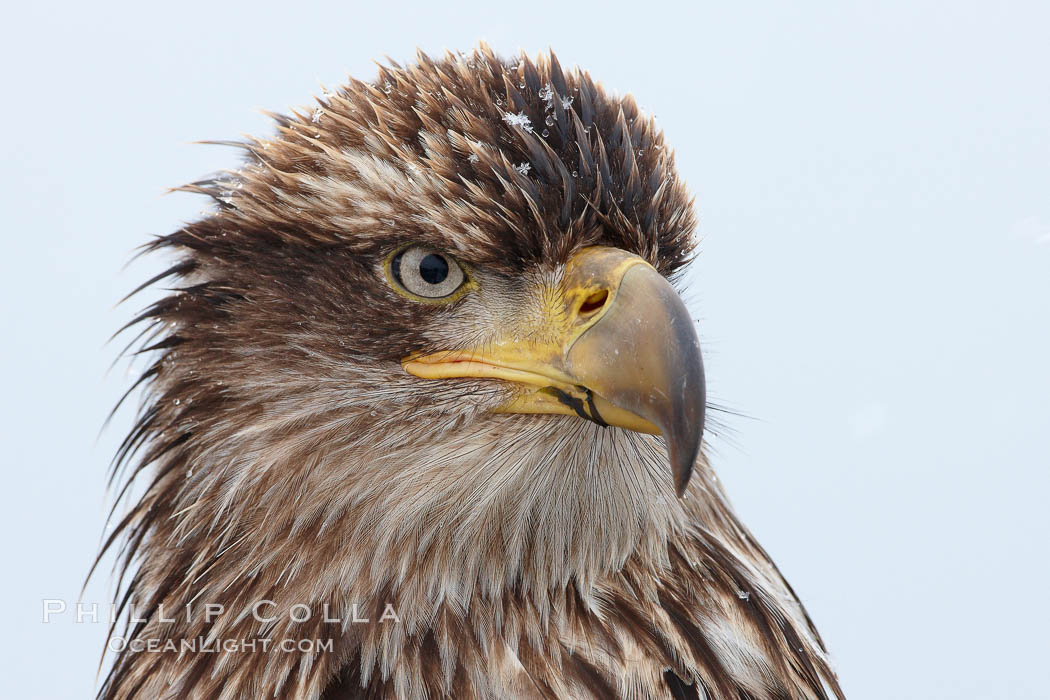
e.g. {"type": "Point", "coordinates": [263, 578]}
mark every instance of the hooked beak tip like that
{"type": "Point", "coordinates": [663, 381]}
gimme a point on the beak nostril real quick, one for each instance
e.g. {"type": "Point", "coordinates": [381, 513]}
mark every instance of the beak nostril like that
{"type": "Point", "coordinates": [594, 301]}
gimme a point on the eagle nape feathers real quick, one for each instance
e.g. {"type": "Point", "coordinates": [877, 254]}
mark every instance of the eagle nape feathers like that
{"type": "Point", "coordinates": [424, 412]}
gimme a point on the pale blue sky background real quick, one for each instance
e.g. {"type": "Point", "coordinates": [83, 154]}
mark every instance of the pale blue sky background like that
{"type": "Point", "coordinates": [874, 288]}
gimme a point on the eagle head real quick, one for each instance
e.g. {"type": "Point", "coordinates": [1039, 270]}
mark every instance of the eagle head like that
{"type": "Point", "coordinates": [427, 349]}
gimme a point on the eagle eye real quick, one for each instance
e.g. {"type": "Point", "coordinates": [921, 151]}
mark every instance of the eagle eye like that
{"type": "Point", "coordinates": [425, 274]}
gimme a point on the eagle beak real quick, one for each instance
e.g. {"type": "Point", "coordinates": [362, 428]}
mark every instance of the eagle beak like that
{"type": "Point", "coordinates": [615, 345]}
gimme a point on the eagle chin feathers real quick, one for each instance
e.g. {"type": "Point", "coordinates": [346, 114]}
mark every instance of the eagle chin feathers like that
{"type": "Point", "coordinates": [287, 457]}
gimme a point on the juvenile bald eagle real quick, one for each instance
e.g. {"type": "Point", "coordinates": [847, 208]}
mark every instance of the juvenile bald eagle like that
{"type": "Point", "coordinates": [424, 364]}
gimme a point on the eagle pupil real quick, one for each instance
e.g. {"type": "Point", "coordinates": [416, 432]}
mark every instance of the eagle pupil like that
{"type": "Point", "coordinates": [433, 269]}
